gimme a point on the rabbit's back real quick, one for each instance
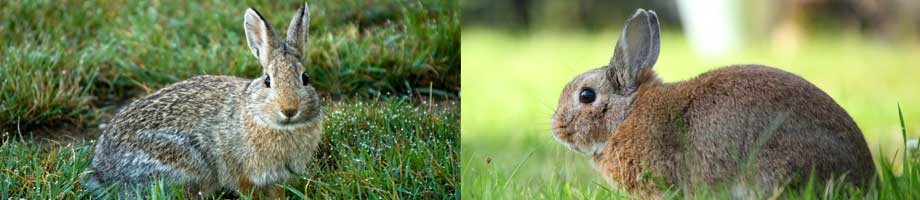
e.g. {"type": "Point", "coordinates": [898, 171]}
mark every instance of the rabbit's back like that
{"type": "Point", "coordinates": [174, 133]}
{"type": "Point", "coordinates": [778, 122]}
{"type": "Point", "coordinates": [749, 123]}
{"type": "Point", "coordinates": [183, 105]}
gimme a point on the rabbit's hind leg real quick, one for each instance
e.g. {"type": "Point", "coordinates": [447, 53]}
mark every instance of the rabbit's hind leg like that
{"type": "Point", "coordinates": [177, 158]}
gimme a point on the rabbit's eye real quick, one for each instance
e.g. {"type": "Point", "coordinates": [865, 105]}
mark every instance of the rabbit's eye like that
{"type": "Point", "coordinates": [586, 96]}
{"type": "Point", "coordinates": [268, 81]}
{"type": "Point", "coordinates": [305, 79]}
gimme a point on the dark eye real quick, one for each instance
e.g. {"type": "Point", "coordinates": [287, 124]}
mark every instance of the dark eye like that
{"type": "Point", "coordinates": [586, 96]}
{"type": "Point", "coordinates": [305, 79]}
{"type": "Point", "coordinates": [268, 81]}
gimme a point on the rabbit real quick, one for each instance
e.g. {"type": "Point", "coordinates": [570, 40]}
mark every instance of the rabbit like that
{"type": "Point", "coordinates": [746, 127]}
{"type": "Point", "coordinates": [216, 133]}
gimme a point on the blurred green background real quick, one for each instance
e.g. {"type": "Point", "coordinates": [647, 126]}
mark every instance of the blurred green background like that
{"type": "Point", "coordinates": [518, 54]}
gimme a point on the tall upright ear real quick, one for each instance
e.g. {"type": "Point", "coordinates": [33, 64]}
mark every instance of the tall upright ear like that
{"type": "Point", "coordinates": [299, 31]}
{"type": "Point", "coordinates": [636, 49]}
{"type": "Point", "coordinates": [259, 34]}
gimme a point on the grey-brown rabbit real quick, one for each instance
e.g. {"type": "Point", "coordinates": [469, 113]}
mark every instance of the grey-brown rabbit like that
{"type": "Point", "coordinates": [210, 133]}
{"type": "Point", "coordinates": [749, 127]}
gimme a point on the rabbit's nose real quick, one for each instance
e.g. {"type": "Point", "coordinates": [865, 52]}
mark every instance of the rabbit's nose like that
{"type": "Point", "coordinates": [289, 112]}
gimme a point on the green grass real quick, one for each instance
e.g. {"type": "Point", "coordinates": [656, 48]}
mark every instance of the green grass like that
{"type": "Point", "coordinates": [392, 149]}
{"type": "Point", "coordinates": [68, 62]}
{"type": "Point", "coordinates": [512, 83]}
{"type": "Point", "coordinates": [67, 65]}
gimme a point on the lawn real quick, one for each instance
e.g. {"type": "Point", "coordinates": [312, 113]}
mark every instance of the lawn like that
{"type": "Point", "coordinates": [95, 54]}
{"type": "Point", "coordinates": [512, 81]}
{"type": "Point", "coordinates": [389, 72]}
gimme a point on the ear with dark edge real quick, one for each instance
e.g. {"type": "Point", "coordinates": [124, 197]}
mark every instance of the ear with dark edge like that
{"type": "Point", "coordinates": [259, 34]}
{"type": "Point", "coordinates": [299, 31]}
{"type": "Point", "coordinates": [636, 49]}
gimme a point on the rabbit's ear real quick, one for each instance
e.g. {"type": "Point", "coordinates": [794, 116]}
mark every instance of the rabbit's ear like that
{"type": "Point", "coordinates": [299, 31]}
{"type": "Point", "coordinates": [259, 34]}
{"type": "Point", "coordinates": [636, 49]}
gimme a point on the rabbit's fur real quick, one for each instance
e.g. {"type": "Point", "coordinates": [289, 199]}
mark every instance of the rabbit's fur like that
{"type": "Point", "coordinates": [751, 126]}
{"type": "Point", "coordinates": [210, 133]}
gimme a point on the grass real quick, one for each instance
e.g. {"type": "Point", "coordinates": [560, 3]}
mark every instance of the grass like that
{"type": "Point", "coordinates": [512, 82]}
{"type": "Point", "coordinates": [68, 62]}
{"type": "Point", "coordinates": [65, 66]}
{"type": "Point", "coordinates": [391, 149]}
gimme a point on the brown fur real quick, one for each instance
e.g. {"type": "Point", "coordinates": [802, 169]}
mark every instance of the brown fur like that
{"type": "Point", "coordinates": [747, 126]}
{"type": "Point", "coordinates": [212, 132]}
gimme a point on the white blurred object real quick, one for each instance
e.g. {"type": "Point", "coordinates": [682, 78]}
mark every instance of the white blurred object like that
{"type": "Point", "coordinates": [912, 144]}
{"type": "Point", "coordinates": [711, 26]}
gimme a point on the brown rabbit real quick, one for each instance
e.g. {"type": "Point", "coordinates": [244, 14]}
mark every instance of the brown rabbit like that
{"type": "Point", "coordinates": [750, 127]}
{"type": "Point", "coordinates": [212, 133]}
